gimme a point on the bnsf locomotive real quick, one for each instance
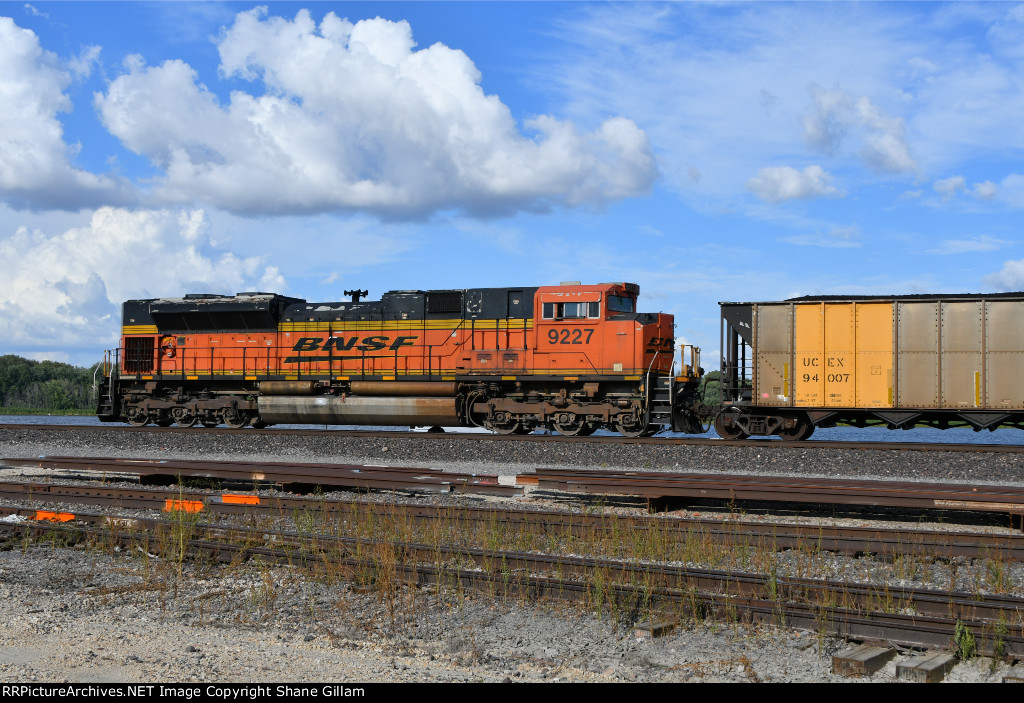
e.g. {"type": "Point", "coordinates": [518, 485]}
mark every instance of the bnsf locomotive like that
{"type": "Point", "coordinates": [572, 358]}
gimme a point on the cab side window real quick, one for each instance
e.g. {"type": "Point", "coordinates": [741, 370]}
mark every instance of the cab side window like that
{"type": "Point", "coordinates": [571, 311]}
{"type": "Point", "coordinates": [619, 303]}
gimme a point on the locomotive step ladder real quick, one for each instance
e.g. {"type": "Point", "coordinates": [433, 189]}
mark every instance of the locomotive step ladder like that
{"type": "Point", "coordinates": [661, 401]}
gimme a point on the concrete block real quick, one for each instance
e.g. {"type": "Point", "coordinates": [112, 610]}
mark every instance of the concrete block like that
{"type": "Point", "coordinates": [862, 660]}
{"type": "Point", "coordinates": [929, 668]}
{"type": "Point", "coordinates": [653, 630]}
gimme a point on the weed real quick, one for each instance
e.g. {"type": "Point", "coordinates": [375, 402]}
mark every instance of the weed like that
{"type": "Point", "coordinates": [963, 639]}
{"type": "Point", "coordinates": [1002, 629]}
{"type": "Point", "coordinates": [773, 581]}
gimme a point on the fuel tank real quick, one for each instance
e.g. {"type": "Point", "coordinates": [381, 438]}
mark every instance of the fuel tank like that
{"type": "Point", "coordinates": [357, 410]}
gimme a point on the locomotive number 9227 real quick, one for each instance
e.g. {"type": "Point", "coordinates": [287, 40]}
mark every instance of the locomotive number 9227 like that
{"type": "Point", "coordinates": [574, 335]}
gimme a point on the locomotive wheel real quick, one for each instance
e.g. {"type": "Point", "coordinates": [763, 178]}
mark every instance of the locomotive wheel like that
{"type": "Point", "coordinates": [184, 418]}
{"type": "Point", "coordinates": [509, 427]}
{"type": "Point", "coordinates": [728, 432]}
{"type": "Point", "coordinates": [636, 430]}
{"type": "Point", "coordinates": [138, 417]}
{"type": "Point", "coordinates": [575, 427]}
{"type": "Point", "coordinates": [503, 423]}
{"type": "Point", "coordinates": [236, 419]}
{"type": "Point", "coordinates": [803, 430]}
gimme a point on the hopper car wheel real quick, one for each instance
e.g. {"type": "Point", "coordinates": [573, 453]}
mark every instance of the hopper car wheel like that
{"type": "Point", "coordinates": [730, 431]}
{"type": "Point", "coordinates": [184, 418]}
{"type": "Point", "coordinates": [257, 423]}
{"type": "Point", "coordinates": [803, 430]}
{"type": "Point", "coordinates": [236, 419]}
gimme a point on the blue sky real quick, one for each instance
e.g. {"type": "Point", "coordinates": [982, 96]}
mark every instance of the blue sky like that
{"type": "Point", "coordinates": [705, 151]}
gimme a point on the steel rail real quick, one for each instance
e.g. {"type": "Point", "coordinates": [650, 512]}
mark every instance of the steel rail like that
{"type": "Point", "coordinates": [283, 473]}
{"type": "Point", "coordinates": [732, 532]}
{"type": "Point", "coordinates": [494, 574]}
{"type": "Point", "coordinates": [789, 489]}
{"type": "Point", "coordinates": [593, 439]}
{"type": "Point", "coordinates": [651, 485]}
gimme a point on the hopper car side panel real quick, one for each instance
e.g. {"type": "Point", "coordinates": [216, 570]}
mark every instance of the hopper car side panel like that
{"type": "Point", "coordinates": [900, 362]}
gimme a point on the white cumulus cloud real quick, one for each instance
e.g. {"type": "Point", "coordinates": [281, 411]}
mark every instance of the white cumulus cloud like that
{"type": "Point", "coordinates": [986, 190]}
{"type": "Point", "coordinates": [1009, 192]}
{"type": "Point", "coordinates": [949, 187]}
{"type": "Point", "coordinates": [347, 116]}
{"type": "Point", "coordinates": [1009, 278]}
{"type": "Point", "coordinates": [776, 184]}
{"type": "Point", "coordinates": [35, 162]}
{"type": "Point", "coordinates": [65, 290]}
{"type": "Point", "coordinates": [837, 116]}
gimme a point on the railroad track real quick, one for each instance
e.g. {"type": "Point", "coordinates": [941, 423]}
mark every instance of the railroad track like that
{"type": "Point", "coordinates": [852, 610]}
{"type": "Point", "coordinates": [298, 476]}
{"type": "Point", "coordinates": [733, 533]}
{"type": "Point", "coordinates": [593, 439]}
{"type": "Point", "coordinates": [658, 487]}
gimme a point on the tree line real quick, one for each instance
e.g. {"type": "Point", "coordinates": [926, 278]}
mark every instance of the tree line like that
{"type": "Point", "coordinates": [44, 386]}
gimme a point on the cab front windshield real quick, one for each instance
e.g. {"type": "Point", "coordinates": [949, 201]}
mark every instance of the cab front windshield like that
{"type": "Point", "coordinates": [620, 303]}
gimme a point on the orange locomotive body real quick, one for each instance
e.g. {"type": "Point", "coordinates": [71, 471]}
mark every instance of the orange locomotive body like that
{"type": "Point", "coordinates": [569, 357]}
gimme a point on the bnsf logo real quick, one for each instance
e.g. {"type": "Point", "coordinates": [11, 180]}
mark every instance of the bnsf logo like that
{"type": "Point", "coordinates": [375, 343]}
{"type": "Point", "coordinates": [659, 344]}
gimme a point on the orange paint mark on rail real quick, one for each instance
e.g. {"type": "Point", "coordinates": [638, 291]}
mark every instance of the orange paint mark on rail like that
{"type": "Point", "coordinates": [54, 517]}
{"type": "Point", "coordinates": [240, 499]}
{"type": "Point", "coordinates": [184, 506]}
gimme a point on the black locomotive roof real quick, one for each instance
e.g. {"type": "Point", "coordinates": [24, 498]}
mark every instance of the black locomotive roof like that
{"type": "Point", "coordinates": [469, 303]}
{"type": "Point", "coordinates": [204, 312]}
{"type": "Point", "coordinates": [256, 310]}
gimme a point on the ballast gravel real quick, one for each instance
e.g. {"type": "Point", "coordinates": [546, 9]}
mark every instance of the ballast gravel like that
{"type": "Point", "coordinates": [483, 454]}
{"type": "Point", "coordinates": [88, 615]}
